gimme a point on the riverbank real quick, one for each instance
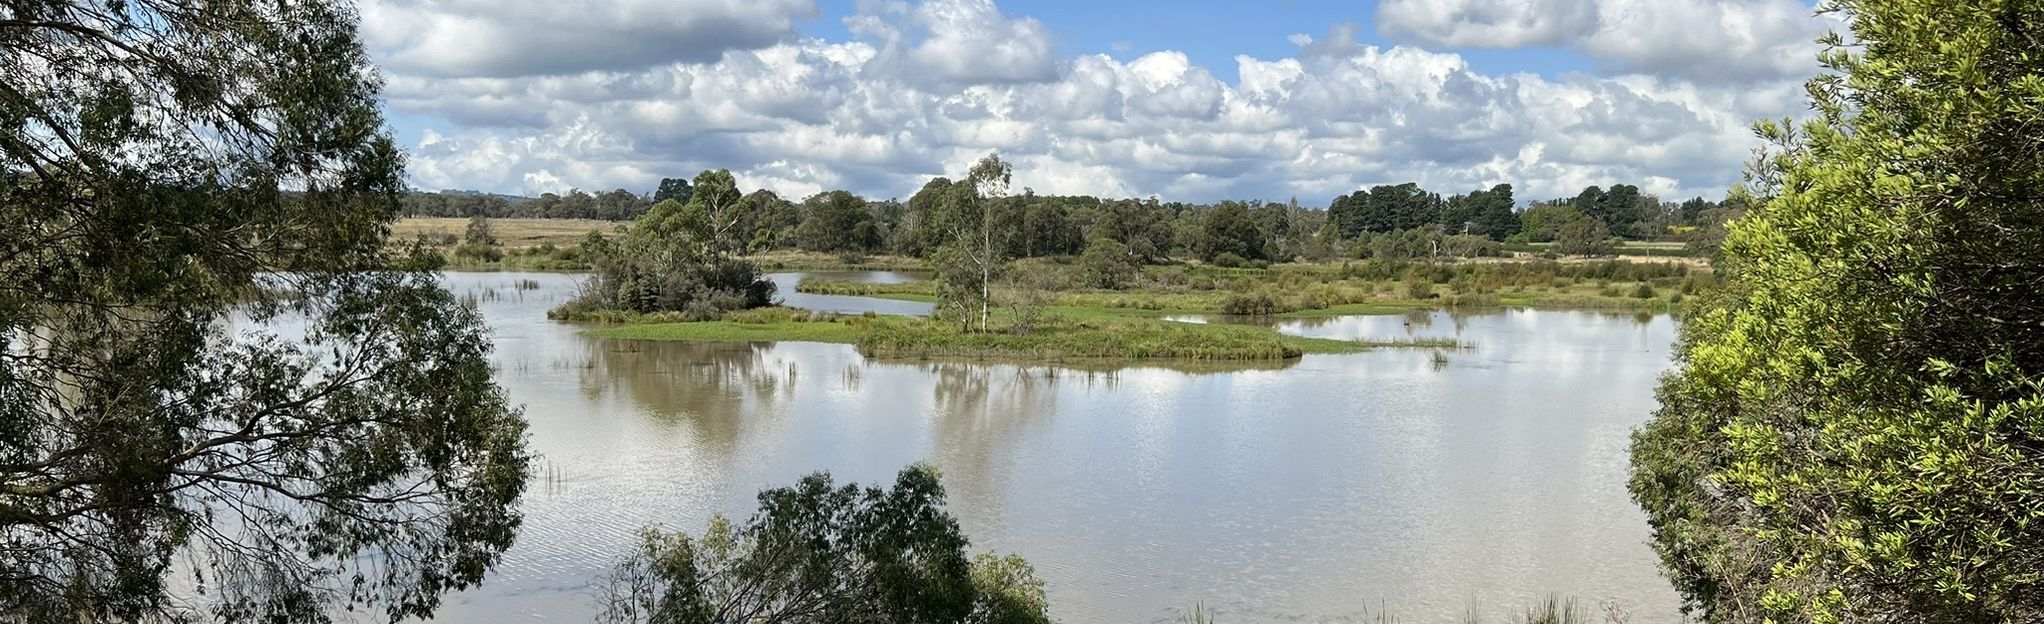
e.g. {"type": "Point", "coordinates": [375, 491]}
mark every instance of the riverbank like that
{"type": "Point", "coordinates": [1309, 291]}
{"type": "Point", "coordinates": [1056, 336]}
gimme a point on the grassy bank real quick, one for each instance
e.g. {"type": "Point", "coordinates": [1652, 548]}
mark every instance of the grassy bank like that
{"type": "Point", "coordinates": [1055, 338]}
{"type": "Point", "coordinates": [813, 261]}
{"type": "Point", "coordinates": [1301, 291]}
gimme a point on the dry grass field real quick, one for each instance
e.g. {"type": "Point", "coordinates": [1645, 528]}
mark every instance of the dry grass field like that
{"type": "Point", "coordinates": [513, 233]}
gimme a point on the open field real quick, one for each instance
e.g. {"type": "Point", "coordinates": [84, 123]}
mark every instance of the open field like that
{"type": "Point", "coordinates": [513, 233]}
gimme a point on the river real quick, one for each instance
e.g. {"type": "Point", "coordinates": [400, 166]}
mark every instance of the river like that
{"type": "Point", "coordinates": [1420, 482]}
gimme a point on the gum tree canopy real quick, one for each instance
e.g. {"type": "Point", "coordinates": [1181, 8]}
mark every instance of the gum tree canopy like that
{"type": "Point", "coordinates": [215, 399]}
{"type": "Point", "coordinates": [1856, 433]}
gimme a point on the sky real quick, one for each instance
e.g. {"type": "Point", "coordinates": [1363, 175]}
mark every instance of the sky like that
{"type": "Point", "coordinates": [1192, 100]}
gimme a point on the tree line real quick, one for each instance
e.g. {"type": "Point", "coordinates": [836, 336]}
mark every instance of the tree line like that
{"type": "Point", "coordinates": [1229, 231]}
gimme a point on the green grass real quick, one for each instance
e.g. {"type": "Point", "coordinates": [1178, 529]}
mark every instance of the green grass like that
{"type": "Point", "coordinates": [1415, 343]}
{"type": "Point", "coordinates": [1057, 338]}
{"type": "Point", "coordinates": [789, 260]}
{"type": "Point", "coordinates": [729, 331]}
{"type": "Point", "coordinates": [1318, 296]}
{"type": "Point", "coordinates": [1126, 340]}
{"type": "Point", "coordinates": [1553, 610]}
{"type": "Point", "coordinates": [1351, 309]}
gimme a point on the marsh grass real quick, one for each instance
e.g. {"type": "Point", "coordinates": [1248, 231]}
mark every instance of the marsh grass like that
{"type": "Point", "coordinates": [1552, 610]}
{"type": "Point", "coordinates": [1417, 342]}
{"type": "Point", "coordinates": [1365, 288]}
{"type": "Point", "coordinates": [1062, 338]}
{"type": "Point", "coordinates": [1055, 337]}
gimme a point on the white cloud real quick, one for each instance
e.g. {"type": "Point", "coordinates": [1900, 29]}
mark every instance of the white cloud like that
{"type": "Point", "coordinates": [1487, 23]}
{"type": "Point", "coordinates": [874, 116]}
{"type": "Point", "coordinates": [955, 41]}
{"type": "Point", "coordinates": [456, 38]}
{"type": "Point", "coordinates": [1716, 40]}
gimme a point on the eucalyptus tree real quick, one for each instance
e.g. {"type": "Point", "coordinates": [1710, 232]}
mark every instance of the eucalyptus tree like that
{"type": "Point", "coordinates": [716, 194]}
{"type": "Point", "coordinates": [217, 399]}
{"type": "Point", "coordinates": [976, 225]}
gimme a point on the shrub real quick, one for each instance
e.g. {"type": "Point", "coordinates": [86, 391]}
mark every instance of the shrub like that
{"type": "Point", "coordinates": [1255, 304]}
{"type": "Point", "coordinates": [478, 252]}
{"type": "Point", "coordinates": [1229, 260]}
{"type": "Point", "coordinates": [1107, 264]}
{"type": "Point", "coordinates": [1584, 237]}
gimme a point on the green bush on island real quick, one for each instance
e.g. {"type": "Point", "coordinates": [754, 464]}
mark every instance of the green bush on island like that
{"type": "Point", "coordinates": [670, 260]}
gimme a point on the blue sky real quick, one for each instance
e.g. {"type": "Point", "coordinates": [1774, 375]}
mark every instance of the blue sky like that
{"type": "Point", "coordinates": [1213, 32]}
{"type": "Point", "coordinates": [1105, 98]}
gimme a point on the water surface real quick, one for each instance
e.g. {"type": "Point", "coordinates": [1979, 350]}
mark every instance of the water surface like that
{"type": "Point", "coordinates": [784, 284]}
{"type": "Point", "coordinates": [1315, 491]}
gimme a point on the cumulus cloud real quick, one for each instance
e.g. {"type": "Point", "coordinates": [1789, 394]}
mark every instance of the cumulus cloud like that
{"type": "Point", "coordinates": [955, 41]}
{"type": "Point", "coordinates": [875, 116]}
{"type": "Point", "coordinates": [458, 38]}
{"type": "Point", "coordinates": [1716, 40]}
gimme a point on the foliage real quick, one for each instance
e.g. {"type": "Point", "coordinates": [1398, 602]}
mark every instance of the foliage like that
{"type": "Point", "coordinates": [669, 260]}
{"type": "Point", "coordinates": [479, 232]}
{"type": "Point", "coordinates": [1227, 229]}
{"type": "Point", "coordinates": [217, 401]}
{"type": "Point", "coordinates": [1713, 223]}
{"type": "Point", "coordinates": [1855, 430]}
{"type": "Point", "coordinates": [478, 242]}
{"type": "Point", "coordinates": [615, 205]}
{"type": "Point", "coordinates": [974, 234]}
{"type": "Point", "coordinates": [1544, 222]}
{"type": "Point", "coordinates": [1384, 209]}
{"type": "Point", "coordinates": [1252, 304]}
{"type": "Point", "coordinates": [817, 552]}
{"type": "Point", "coordinates": [1103, 338]}
{"type": "Point", "coordinates": [838, 221]}
{"type": "Point", "coordinates": [677, 189]}
{"type": "Point", "coordinates": [1108, 264]}
{"type": "Point", "coordinates": [1583, 237]}
{"type": "Point", "coordinates": [1046, 230]}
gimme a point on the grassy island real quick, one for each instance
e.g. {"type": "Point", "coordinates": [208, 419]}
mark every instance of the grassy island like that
{"type": "Point", "coordinates": [1052, 317]}
{"type": "Point", "coordinates": [1321, 290]}
{"type": "Point", "coordinates": [1053, 338]}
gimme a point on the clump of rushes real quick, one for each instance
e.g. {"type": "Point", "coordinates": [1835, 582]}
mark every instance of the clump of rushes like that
{"type": "Point", "coordinates": [1136, 339]}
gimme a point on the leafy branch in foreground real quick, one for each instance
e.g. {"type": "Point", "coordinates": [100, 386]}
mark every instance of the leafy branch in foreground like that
{"type": "Point", "coordinates": [816, 553]}
{"type": "Point", "coordinates": [1856, 431]}
{"type": "Point", "coordinates": [213, 402]}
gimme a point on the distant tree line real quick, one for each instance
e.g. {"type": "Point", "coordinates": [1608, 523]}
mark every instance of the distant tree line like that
{"type": "Point", "coordinates": [617, 205]}
{"type": "Point", "coordinates": [1398, 221]}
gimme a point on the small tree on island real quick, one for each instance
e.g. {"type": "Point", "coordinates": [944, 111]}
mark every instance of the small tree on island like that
{"type": "Point", "coordinates": [671, 259]}
{"type": "Point", "coordinates": [975, 240]}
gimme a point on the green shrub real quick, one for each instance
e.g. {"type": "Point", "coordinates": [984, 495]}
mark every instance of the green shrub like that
{"type": "Point", "coordinates": [1256, 304]}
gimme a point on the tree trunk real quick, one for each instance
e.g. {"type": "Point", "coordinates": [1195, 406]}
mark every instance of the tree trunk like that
{"type": "Point", "coordinates": [986, 270]}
